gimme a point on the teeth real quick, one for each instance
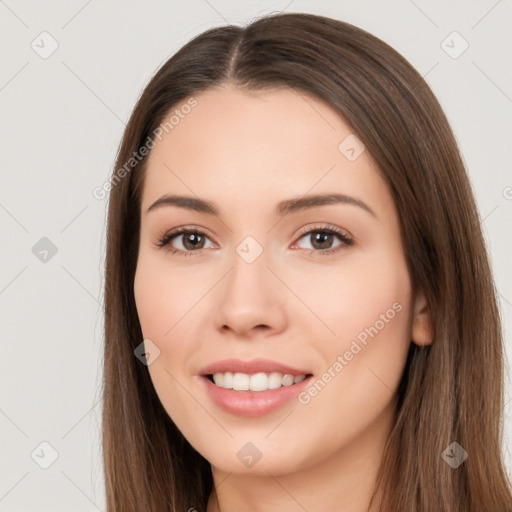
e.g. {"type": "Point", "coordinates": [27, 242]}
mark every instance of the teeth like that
{"type": "Point", "coordinates": [275, 380]}
{"type": "Point", "coordinates": [255, 382]}
{"type": "Point", "coordinates": [241, 381]}
{"type": "Point", "coordinates": [258, 382]}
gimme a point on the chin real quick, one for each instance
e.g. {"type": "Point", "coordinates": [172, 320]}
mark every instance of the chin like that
{"type": "Point", "coordinates": [255, 457]}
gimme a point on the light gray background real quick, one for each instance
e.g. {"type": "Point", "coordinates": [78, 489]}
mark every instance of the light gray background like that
{"type": "Point", "coordinates": [62, 120]}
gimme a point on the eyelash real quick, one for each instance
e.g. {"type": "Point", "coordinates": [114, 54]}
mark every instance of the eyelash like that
{"type": "Point", "coordinates": [332, 230]}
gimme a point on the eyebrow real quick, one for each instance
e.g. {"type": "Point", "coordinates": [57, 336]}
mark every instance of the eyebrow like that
{"type": "Point", "coordinates": [283, 208]}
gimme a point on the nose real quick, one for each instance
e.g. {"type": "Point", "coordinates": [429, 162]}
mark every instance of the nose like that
{"type": "Point", "coordinates": [250, 302]}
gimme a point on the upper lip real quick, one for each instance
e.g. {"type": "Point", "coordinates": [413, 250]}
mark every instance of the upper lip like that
{"type": "Point", "coordinates": [250, 367]}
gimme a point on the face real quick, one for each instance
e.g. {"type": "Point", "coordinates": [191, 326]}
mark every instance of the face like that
{"type": "Point", "coordinates": [303, 305]}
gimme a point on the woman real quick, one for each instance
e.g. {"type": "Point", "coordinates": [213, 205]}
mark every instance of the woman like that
{"type": "Point", "coordinates": [245, 370]}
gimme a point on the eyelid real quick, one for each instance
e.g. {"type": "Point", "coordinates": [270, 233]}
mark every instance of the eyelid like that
{"type": "Point", "coordinates": [343, 235]}
{"type": "Point", "coordinates": [181, 230]}
{"type": "Point", "coordinates": [323, 226]}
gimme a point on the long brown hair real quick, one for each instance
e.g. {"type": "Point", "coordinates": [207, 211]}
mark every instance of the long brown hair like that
{"type": "Point", "coordinates": [450, 391]}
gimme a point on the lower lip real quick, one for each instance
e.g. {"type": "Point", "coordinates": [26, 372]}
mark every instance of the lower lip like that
{"type": "Point", "coordinates": [253, 403]}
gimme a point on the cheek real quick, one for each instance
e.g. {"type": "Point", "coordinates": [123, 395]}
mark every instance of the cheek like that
{"type": "Point", "coordinates": [164, 296]}
{"type": "Point", "coordinates": [368, 308]}
{"type": "Point", "coordinates": [163, 299]}
{"type": "Point", "coordinates": [152, 301]}
{"type": "Point", "coordinates": [346, 298]}
{"type": "Point", "coordinates": [364, 308]}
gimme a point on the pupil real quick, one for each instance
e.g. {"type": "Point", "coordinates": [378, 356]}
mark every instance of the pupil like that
{"type": "Point", "coordinates": [326, 239]}
{"type": "Point", "coordinates": [193, 240]}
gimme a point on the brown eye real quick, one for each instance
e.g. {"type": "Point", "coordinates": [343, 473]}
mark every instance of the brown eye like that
{"type": "Point", "coordinates": [193, 241]}
{"type": "Point", "coordinates": [322, 240]}
{"type": "Point", "coordinates": [184, 241]}
{"type": "Point", "coordinates": [189, 241]}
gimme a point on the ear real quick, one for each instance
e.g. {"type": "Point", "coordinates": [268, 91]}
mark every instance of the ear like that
{"type": "Point", "coordinates": [422, 332]}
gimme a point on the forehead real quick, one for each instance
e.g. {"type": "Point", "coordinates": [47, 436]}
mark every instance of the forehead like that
{"type": "Point", "coordinates": [249, 147]}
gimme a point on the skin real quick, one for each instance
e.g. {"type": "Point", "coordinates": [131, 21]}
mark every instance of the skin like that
{"type": "Point", "coordinates": [246, 152]}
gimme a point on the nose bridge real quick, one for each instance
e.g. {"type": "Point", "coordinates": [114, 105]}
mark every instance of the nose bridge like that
{"type": "Point", "coordinates": [248, 298]}
{"type": "Point", "coordinates": [248, 277]}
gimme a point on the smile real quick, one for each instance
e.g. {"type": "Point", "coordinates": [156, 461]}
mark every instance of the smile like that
{"type": "Point", "coordinates": [258, 382]}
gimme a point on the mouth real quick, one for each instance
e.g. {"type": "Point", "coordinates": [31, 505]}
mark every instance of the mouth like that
{"type": "Point", "coordinates": [255, 382]}
{"type": "Point", "coordinates": [261, 399]}
{"type": "Point", "coordinates": [252, 388]}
